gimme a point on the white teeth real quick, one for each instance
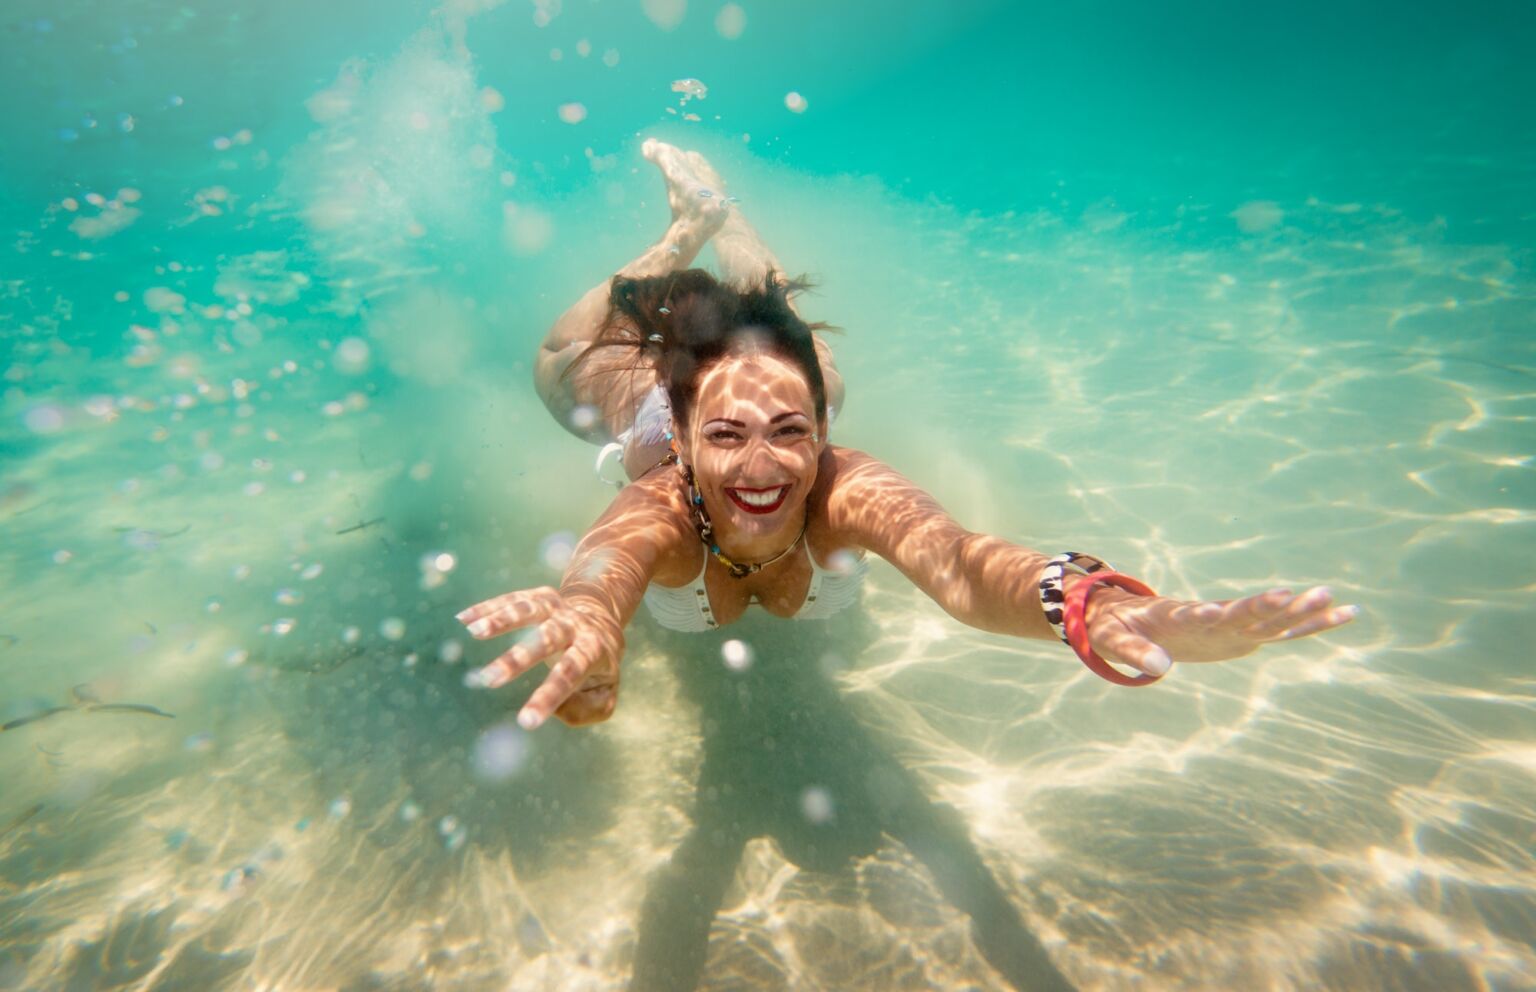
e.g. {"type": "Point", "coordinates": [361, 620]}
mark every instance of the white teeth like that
{"type": "Point", "coordinates": [761, 499]}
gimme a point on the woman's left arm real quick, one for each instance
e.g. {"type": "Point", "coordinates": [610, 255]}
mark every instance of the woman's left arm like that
{"type": "Point", "coordinates": [988, 583]}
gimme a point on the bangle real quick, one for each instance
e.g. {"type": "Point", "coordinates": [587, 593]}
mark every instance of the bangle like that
{"type": "Point", "coordinates": [1076, 624]}
{"type": "Point", "coordinates": [1052, 584]}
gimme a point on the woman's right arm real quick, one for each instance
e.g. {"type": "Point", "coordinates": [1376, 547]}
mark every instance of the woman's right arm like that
{"type": "Point", "coordinates": [579, 629]}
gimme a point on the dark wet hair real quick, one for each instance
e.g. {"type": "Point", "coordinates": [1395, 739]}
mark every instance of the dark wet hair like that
{"type": "Point", "coordinates": [686, 321]}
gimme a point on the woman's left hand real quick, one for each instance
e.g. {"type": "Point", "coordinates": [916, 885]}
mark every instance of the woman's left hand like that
{"type": "Point", "coordinates": [1148, 633]}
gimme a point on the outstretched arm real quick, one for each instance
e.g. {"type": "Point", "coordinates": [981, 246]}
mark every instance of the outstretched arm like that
{"type": "Point", "coordinates": [579, 629]}
{"type": "Point", "coordinates": [988, 583]}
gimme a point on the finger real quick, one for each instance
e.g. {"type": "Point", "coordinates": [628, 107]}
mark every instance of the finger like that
{"type": "Point", "coordinates": [497, 603]}
{"type": "Point", "coordinates": [557, 688]}
{"type": "Point", "coordinates": [1299, 610]}
{"type": "Point", "coordinates": [509, 612]}
{"type": "Point", "coordinates": [594, 701]}
{"type": "Point", "coordinates": [1256, 609]}
{"type": "Point", "coordinates": [1325, 620]}
{"type": "Point", "coordinates": [551, 637]}
{"type": "Point", "coordinates": [1133, 650]}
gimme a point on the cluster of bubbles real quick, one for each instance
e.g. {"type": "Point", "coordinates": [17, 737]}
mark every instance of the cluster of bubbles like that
{"type": "Point", "coordinates": [691, 89]}
{"type": "Point", "coordinates": [452, 831]}
{"type": "Point", "coordinates": [434, 567]}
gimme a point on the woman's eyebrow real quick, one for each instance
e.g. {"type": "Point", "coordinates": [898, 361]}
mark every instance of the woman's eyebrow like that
{"type": "Point", "coordinates": [786, 415]}
{"type": "Point", "coordinates": [725, 420]}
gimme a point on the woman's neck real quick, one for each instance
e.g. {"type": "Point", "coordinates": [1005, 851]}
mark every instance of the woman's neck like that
{"type": "Point", "coordinates": [758, 547]}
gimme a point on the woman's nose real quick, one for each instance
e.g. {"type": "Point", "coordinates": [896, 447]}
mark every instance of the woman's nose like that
{"type": "Point", "coordinates": [761, 459]}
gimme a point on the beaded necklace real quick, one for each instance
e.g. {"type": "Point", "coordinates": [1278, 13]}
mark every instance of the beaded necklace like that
{"type": "Point", "coordinates": [706, 529]}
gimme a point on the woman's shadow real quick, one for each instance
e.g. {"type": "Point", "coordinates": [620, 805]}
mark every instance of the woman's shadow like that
{"type": "Point", "coordinates": [784, 758]}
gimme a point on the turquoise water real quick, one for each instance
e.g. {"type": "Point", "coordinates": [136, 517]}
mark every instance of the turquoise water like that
{"type": "Point", "coordinates": [1231, 298]}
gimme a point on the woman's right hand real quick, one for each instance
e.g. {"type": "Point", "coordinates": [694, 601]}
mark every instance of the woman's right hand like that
{"type": "Point", "coordinates": [582, 642]}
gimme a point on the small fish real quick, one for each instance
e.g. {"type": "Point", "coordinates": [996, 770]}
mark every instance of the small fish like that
{"type": "Point", "coordinates": [25, 815]}
{"type": "Point", "coordinates": [51, 754]}
{"type": "Point", "coordinates": [82, 694]}
{"type": "Point", "coordinates": [131, 708]}
{"type": "Point", "coordinates": [22, 721]}
{"type": "Point", "coordinates": [361, 526]}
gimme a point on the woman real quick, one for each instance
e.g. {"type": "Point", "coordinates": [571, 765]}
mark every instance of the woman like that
{"type": "Point", "coordinates": [723, 397]}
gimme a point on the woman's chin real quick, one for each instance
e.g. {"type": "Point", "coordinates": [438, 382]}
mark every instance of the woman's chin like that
{"type": "Point", "coordinates": [750, 524]}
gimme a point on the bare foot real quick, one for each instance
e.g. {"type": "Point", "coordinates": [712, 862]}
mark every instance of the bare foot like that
{"type": "Point", "coordinates": [744, 260]}
{"type": "Point", "coordinates": [698, 208]}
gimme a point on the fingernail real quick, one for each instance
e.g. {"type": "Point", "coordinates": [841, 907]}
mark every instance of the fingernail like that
{"type": "Point", "coordinates": [479, 627]}
{"type": "Point", "coordinates": [1157, 662]}
{"type": "Point", "coordinates": [1350, 612]}
{"type": "Point", "coordinates": [459, 616]}
{"type": "Point", "coordinates": [529, 720]}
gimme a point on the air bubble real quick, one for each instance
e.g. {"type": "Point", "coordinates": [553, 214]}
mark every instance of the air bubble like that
{"type": "Point", "coordinates": [737, 655]}
{"type": "Point", "coordinates": [556, 550]}
{"type": "Point", "coordinates": [816, 804]}
{"type": "Point", "coordinates": [731, 21]}
{"type": "Point", "coordinates": [501, 752]}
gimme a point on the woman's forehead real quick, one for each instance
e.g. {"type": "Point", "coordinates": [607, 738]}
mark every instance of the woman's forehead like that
{"type": "Point", "coordinates": [765, 383]}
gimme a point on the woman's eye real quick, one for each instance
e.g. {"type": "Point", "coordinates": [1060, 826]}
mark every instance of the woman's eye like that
{"type": "Point", "coordinates": [720, 437]}
{"type": "Point", "coordinates": [791, 432]}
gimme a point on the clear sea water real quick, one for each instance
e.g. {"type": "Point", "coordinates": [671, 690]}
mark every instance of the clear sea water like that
{"type": "Point", "coordinates": [1233, 297]}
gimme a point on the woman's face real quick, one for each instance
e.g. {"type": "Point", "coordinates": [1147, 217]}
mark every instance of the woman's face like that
{"type": "Point", "coordinates": [753, 445]}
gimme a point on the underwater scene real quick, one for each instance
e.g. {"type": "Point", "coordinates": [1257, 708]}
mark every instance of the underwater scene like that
{"type": "Point", "coordinates": [1234, 297]}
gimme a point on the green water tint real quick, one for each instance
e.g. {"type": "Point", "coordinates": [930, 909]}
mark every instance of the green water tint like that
{"type": "Point", "coordinates": [1229, 319]}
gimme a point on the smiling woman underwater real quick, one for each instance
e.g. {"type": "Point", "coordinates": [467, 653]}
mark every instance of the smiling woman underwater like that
{"type": "Point", "coordinates": [722, 397]}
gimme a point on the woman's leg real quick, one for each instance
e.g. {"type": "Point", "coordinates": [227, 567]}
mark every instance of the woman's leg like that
{"type": "Point", "coordinates": [745, 261]}
{"type": "Point", "coordinates": [598, 402]}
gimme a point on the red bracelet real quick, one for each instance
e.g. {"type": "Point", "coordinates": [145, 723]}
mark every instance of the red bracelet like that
{"type": "Point", "coordinates": [1076, 625]}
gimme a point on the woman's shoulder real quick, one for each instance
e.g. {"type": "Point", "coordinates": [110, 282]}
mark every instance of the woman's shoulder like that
{"type": "Point", "coordinates": [659, 493]}
{"type": "Point", "coordinates": [863, 495]}
{"type": "Point", "coordinates": [849, 470]}
{"type": "Point", "coordinates": [654, 508]}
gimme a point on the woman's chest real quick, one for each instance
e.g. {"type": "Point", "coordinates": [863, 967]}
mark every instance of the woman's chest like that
{"type": "Point", "coordinates": [780, 590]}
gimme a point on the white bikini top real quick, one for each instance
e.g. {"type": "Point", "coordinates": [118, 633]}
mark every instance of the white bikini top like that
{"type": "Point", "coordinates": [687, 608]}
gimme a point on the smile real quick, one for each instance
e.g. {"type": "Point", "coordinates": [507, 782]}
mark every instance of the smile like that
{"type": "Point", "coordinates": [758, 500]}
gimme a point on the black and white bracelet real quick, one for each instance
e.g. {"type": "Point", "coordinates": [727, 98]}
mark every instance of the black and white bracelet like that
{"type": "Point", "coordinates": [1053, 593]}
